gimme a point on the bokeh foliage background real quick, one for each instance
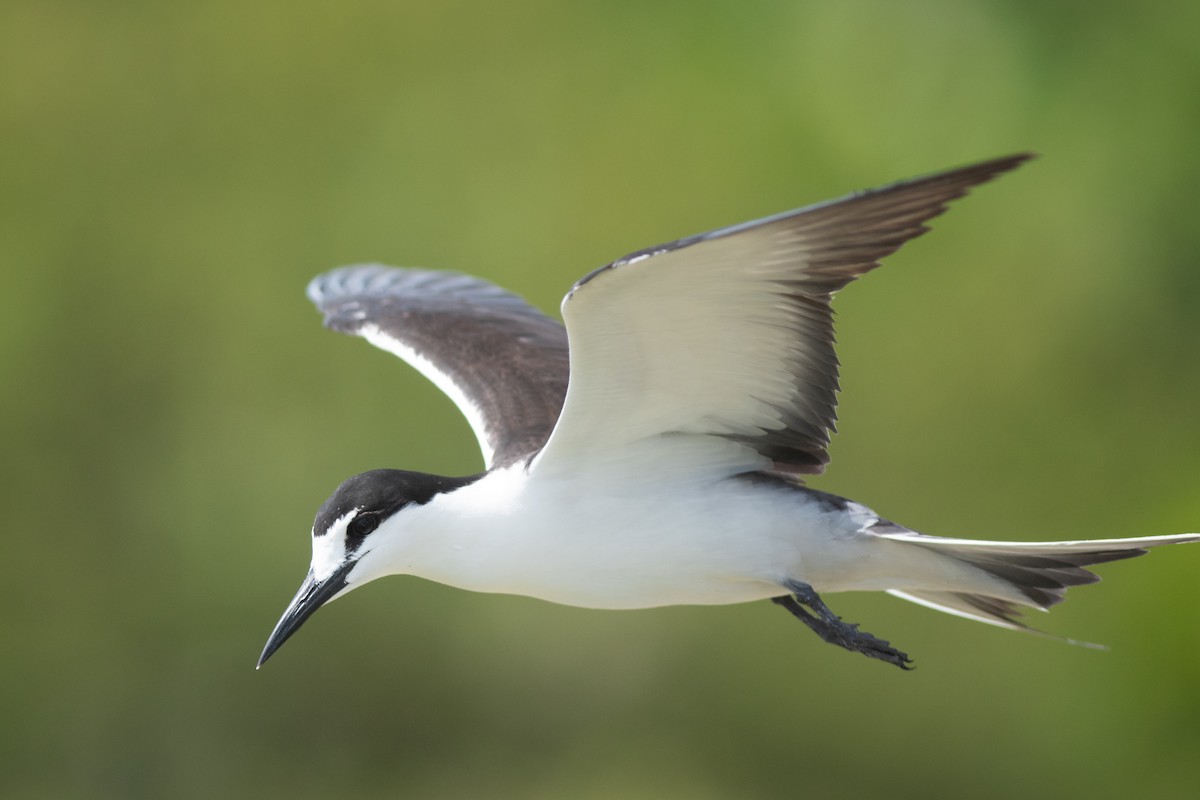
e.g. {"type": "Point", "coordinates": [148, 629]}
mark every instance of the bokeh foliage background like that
{"type": "Point", "coordinates": [172, 413]}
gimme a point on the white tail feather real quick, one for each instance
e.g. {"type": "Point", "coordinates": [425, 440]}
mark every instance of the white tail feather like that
{"type": "Point", "coordinates": [1040, 572]}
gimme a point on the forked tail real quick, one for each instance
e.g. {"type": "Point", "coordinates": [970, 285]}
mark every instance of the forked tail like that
{"type": "Point", "coordinates": [1035, 574]}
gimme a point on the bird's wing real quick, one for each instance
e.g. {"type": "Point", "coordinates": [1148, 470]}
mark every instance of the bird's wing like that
{"type": "Point", "coordinates": [502, 362]}
{"type": "Point", "coordinates": [729, 334]}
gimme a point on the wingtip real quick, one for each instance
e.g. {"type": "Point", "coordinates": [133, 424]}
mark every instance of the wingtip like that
{"type": "Point", "coordinates": [973, 174]}
{"type": "Point", "coordinates": [1009, 162]}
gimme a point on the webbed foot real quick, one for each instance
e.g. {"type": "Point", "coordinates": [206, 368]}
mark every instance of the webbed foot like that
{"type": "Point", "coordinates": [833, 630]}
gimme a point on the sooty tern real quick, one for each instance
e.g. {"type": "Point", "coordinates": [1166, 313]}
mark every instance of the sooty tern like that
{"type": "Point", "coordinates": [650, 452]}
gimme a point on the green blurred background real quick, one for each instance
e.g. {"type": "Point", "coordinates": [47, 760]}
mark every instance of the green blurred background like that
{"type": "Point", "coordinates": [171, 175]}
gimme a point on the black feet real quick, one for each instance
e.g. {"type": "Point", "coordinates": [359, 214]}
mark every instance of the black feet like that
{"type": "Point", "coordinates": [832, 629]}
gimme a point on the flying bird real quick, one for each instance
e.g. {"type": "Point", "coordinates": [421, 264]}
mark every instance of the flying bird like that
{"type": "Point", "coordinates": [651, 451]}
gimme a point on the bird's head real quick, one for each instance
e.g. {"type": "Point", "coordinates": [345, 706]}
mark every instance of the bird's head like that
{"type": "Point", "coordinates": [364, 512]}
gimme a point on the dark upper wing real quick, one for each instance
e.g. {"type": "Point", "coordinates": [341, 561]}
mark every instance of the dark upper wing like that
{"type": "Point", "coordinates": [502, 362]}
{"type": "Point", "coordinates": [730, 333]}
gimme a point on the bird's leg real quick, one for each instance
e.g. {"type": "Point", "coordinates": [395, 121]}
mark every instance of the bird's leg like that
{"type": "Point", "coordinates": [832, 629]}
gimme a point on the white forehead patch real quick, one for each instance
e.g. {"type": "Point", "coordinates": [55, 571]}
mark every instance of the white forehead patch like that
{"type": "Point", "coordinates": [329, 549]}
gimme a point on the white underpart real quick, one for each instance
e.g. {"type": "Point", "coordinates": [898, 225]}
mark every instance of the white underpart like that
{"type": "Point", "coordinates": [380, 338]}
{"type": "Point", "coordinates": [665, 527]}
{"type": "Point", "coordinates": [683, 536]}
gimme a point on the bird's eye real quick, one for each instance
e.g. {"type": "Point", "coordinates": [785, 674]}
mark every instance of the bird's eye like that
{"type": "Point", "coordinates": [363, 524]}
